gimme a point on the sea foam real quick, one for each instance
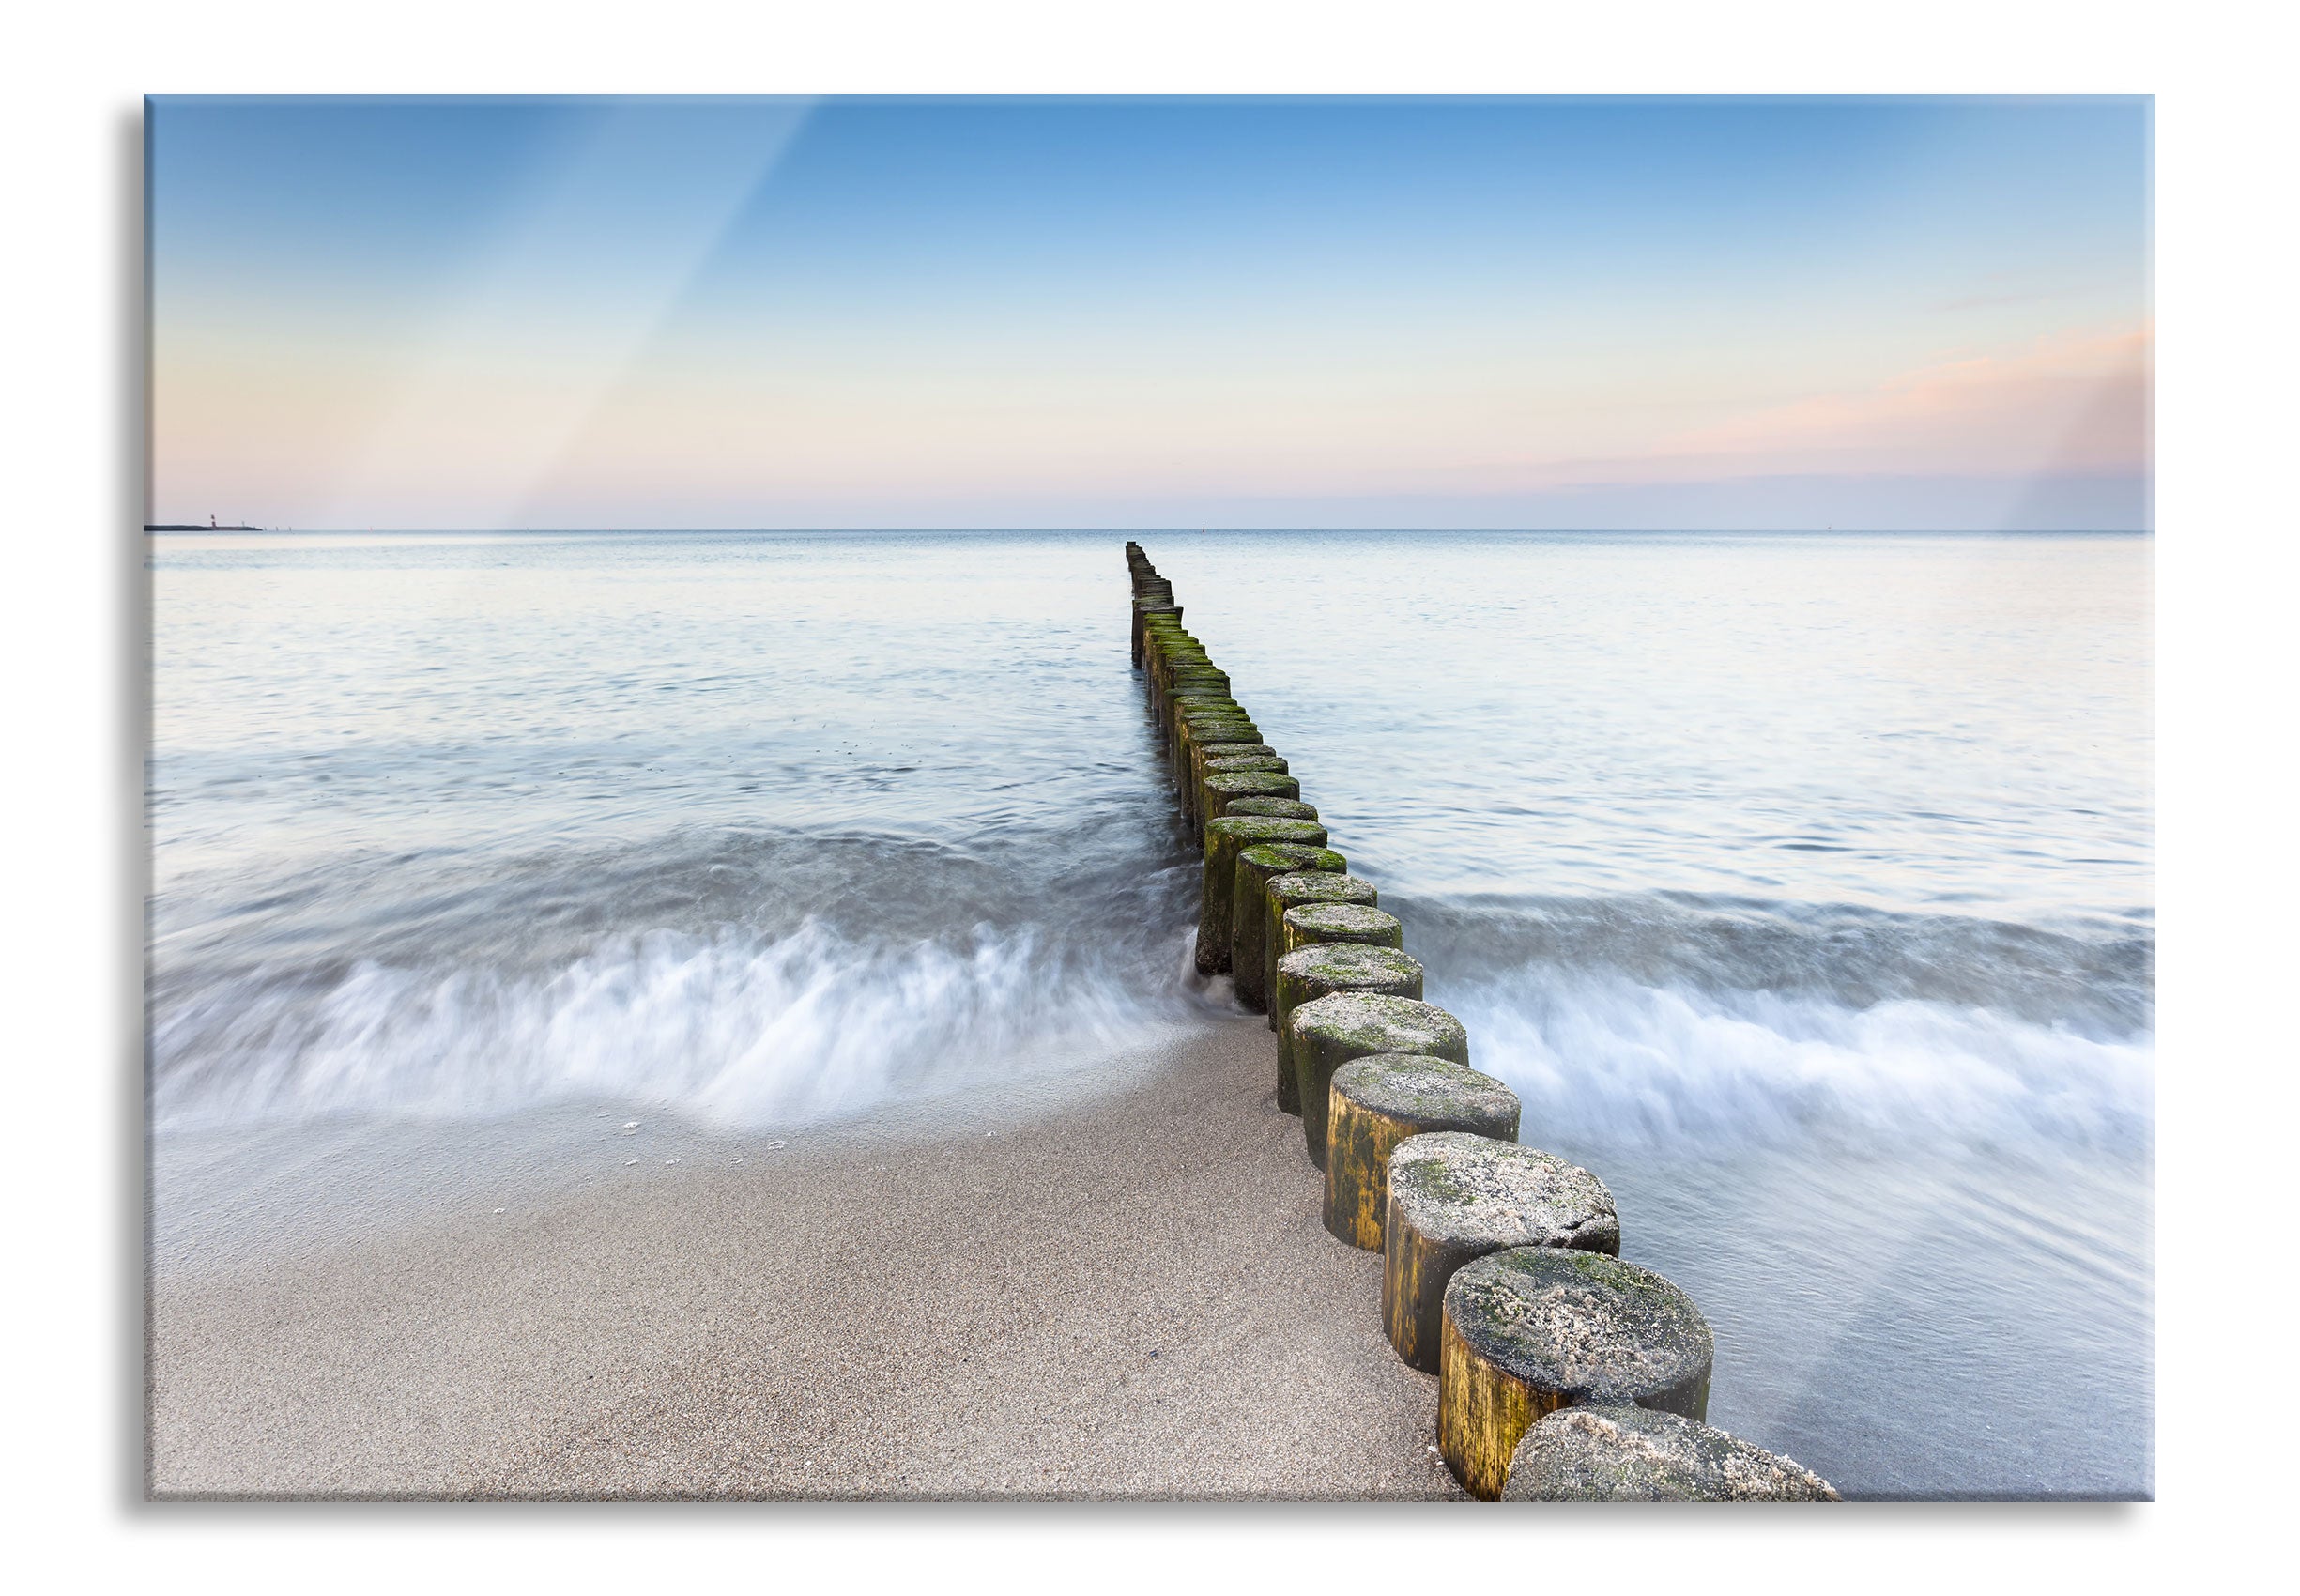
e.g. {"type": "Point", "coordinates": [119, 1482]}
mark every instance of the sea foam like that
{"type": "Point", "coordinates": [726, 1027]}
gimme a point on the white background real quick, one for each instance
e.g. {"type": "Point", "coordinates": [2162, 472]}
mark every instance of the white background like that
{"type": "Point", "coordinates": [73, 848]}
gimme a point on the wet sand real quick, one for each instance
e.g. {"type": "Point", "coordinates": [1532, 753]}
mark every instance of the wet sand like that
{"type": "Point", "coordinates": [1129, 1296]}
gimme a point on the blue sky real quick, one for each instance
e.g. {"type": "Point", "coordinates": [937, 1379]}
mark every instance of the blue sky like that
{"type": "Point", "coordinates": [1151, 312]}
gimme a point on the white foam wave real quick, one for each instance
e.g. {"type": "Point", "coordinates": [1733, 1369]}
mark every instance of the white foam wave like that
{"type": "Point", "coordinates": [744, 1029]}
{"type": "Point", "coordinates": [729, 1028]}
{"type": "Point", "coordinates": [1604, 1059]}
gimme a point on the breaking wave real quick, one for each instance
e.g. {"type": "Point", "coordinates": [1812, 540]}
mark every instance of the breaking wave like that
{"type": "Point", "coordinates": [1662, 1019]}
{"type": "Point", "coordinates": [807, 1027]}
{"type": "Point", "coordinates": [746, 979]}
{"type": "Point", "coordinates": [771, 979]}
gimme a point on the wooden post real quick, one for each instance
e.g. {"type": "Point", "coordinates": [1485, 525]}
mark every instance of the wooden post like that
{"type": "Point", "coordinates": [1279, 894]}
{"type": "Point", "coordinates": [1143, 610]}
{"type": "Point", "coordinates": [1162, 629]}
{"type": "Point", "coordinates": [1221, 787]}
{"type": "Point", "coordinates": [1204, 805]}
{"type": "Point", "coordinates": [1323, 924]}
{"type": "Point", "coordinates": [1212, 722]}
{"type": "Point", "coordinates": [1454, 1196]}
{"type": "Point", "coordinates": [1640, 1454]}
{"type": "Point", "coordinates": [1197, 756]}
{"type": "Point", "coordinates": [1336, 1029]}
{"type": "Point", "coordinates": [1358, 923]}
{"type": "Point", "coordinates": [1248, 922]}
{"type": "Point", "coordinates": [1178, 649]}
{"type": "Point", "coordinates": [1272, 809]}
{"type": "Point", "coordinates": [1223, 757]}
{"type": "Point", "coordinates": [1198, 741]}
{"type": "Point", "coordinates": [1224, 836]}
{"type": "Point", "coordinates": [1197, 744]}
{"type": "Point", "coordinates": [1310, 974]}
{"type": "Point", "coordinates": [1196, 707]}
{"type": "Point", "coordinates": [1375, 1103]}
{"type": "Point", "coordinates": [1165, 649]}
{"type": "Point", "coordinates": [1197, 689]}
{"type": "Point", "coordinates": [1532, 1329]}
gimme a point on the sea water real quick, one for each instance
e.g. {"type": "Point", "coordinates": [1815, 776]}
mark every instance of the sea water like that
{"type": "Point", "coordinates": [1800, 885]}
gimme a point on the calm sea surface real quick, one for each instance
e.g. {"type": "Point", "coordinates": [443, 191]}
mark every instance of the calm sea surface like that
{"type": "Point", "coordinates": [1801, 885]}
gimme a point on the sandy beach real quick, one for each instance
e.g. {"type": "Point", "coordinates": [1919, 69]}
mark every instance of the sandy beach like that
{"type": "Point", "coordinates": [1128, 1297]}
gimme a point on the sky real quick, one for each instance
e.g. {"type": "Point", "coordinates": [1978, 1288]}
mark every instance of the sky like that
{"type": "Point", "coordinates": [493, 314]}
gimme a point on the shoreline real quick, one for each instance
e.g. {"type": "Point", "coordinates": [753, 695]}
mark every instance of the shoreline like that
{"type": "Point", "coordinates": [1124, 1297]}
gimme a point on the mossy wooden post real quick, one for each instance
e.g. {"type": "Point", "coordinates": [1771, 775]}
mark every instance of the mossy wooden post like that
{"type": "Point", "coordinates": [1162, 629]}
{"type": "Point", "coordinates": [1376, 1103]}
{"type": "Point", "coordinates": [1213, 722]}
{"type": "Point", "coordinates": [1168, 641]}
{"type": "Point", "coordinates": [1312, 975]}
{"type": "Point", "coordinates": [1226, 760]}
{"type": "Point", "coordinates": [1180, 656]}
{"type": "Point", "coordinates": [1202, 712]}
{"type": "Point", "coordinates": [1531, 1329]}
{"type": "Point", "coordinates": [1147, 603]}
{"type": "Point", "coordinates": [1199, 741]}
{"type": "Point", "coordinates": [1158, 644]}
{"type": "Point", "coordinates": [1207, 732]}
{"type": "Point", "coordinates": [1192, 744]}
{"type": "Point", "coordinates": [1333, 1030]}
{"type": "Point", "coordinates": [1169, 651]}
{"type": "Point", "coordinates": [1189, 768]}
{"type": "Point", "coordinates": [1322, 925]}
{"type": "Point", "coordinates": [1281, 893]}
{"type": "Point", "coordinates": [1196, 754]}
{"type": "Point", "coordinates": [1196, 695]}
{"type": "Point", "coordinates": [1197, 751]}
{"type": "Point", "coordinates": [1195, 680]}
{"type": "Point", "coordinates": [1220, 757]}
{"type": "Point", "coordinates": [1455, 1196]}
{"type": "Point", "coordinates": [1198, 717]}
{"type": "Point", "coordinates": [1220, 789]}
{"type": "Point", "coordinates": [1200, 804]}
{"type": "Point", "coordinates": [1196, 706]}
{"type": "Point", "coordinates": [1247, 921]}
{"type": "Point", "coordinates": [1224, 838]}
{"type": "Point", "coordinates": [1182, 679]}
{"type": "Point", "coordinates": [1333, 923]}
{"type": "Point", "coordinates": [1210, 721]}
{"type": "Point", "coordinates": [1272, 809]}
{"type": "Point", "coordinates": [1155, 641]}
{"type": "Point", "coordinates": [1639, 1454]}
{"type": "Point", "coordinates": [1197, 703]}
{"type": "Point", "coordinates": [1145, 607]}
{"type": "Point", "coordinates": [1181, 652]}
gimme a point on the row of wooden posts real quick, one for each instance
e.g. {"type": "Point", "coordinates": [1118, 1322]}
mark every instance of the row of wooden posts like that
{"type": "Point", "coordinates": [1564, 1372]}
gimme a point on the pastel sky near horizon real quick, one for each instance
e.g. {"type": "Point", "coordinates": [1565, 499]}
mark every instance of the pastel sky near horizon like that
{"type": "Point", "coordinates": [1770, 314]}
